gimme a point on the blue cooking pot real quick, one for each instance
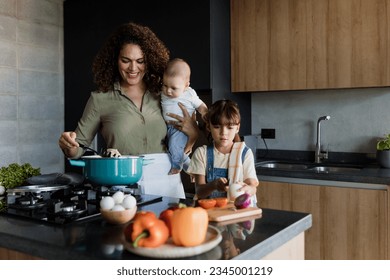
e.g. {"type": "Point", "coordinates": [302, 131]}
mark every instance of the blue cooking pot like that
{"type": "Point", "coordinates": [124, 170]}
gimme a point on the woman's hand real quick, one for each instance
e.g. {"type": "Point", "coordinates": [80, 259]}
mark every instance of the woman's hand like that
{"type": "Point", "coordinates": [187, 125]}
{"type": "Point", "coordinates": [68, 144]}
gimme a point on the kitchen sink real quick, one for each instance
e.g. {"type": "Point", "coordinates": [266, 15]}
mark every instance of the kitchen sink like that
{"type": "Point", "coordinates": [331, 169]}
{"type": "Point", "coordinates": [283, 166]}
{"type": "Point", "coordinates": [292, 166]}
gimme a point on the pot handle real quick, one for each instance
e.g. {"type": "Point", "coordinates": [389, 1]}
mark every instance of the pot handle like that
{"type": "Point", "coordinates": [79, 163]}
{"type": "Point", "coordinates": [147, 161]}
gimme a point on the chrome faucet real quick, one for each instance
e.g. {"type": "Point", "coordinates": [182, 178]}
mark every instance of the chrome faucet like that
{"type": "Point", "coordinates": [319, 155]}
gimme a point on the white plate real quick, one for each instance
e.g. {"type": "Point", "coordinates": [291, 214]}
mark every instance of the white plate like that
{"type": "Point", "coordinates": [170, 250]}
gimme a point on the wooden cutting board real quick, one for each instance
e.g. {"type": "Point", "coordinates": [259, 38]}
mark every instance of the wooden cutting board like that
{"type": "Point", "coordinates": [235, 221]}
{"type": "Point", "coordinates": [230, 213]}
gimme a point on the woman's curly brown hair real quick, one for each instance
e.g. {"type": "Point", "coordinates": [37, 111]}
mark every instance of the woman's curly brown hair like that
{"type": "Point", "coordinates": [105, 64]}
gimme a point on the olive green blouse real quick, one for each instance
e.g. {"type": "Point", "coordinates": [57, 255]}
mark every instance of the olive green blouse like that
{"type": "Point", "coordinates": [123, 126]}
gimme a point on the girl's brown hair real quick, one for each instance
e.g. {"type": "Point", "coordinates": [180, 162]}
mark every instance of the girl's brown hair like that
{"type": "Point", "coordinates": [223, 112]}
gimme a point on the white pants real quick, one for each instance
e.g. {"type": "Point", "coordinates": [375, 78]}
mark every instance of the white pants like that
{"type": "Point", "coordinates": [155, 179]}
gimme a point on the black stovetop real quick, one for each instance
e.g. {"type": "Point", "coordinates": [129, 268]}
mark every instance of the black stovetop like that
{"type": "Point", "coordinates": [48, 206]}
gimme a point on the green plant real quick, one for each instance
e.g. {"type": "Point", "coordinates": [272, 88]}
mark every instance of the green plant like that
{"type": "Point", "coordinates": [383, 143]}
{"type": "Point", "coordinates": [15, 175]}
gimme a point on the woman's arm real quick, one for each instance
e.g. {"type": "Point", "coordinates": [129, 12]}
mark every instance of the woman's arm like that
{"type": "Point", "coordinates": [186, 124]}
{"type": "Point", "coordinates": [87, 128]}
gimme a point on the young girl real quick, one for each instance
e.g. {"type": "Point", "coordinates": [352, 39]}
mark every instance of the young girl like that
{"type": "Point", "coordinates": [227, 159]}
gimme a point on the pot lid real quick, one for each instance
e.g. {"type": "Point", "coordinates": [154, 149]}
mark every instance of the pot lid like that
{"type": "Point", "coordinates": [38, 188]}
{"type": "Point", "coordinates": [122, 157]}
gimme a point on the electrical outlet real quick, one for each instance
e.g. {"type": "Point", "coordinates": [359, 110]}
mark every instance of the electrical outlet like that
{"type": "Point", "coordinates": [268, 133]}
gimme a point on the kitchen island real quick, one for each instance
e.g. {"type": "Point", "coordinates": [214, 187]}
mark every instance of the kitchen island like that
{"type": "Point", "coordinates": [276, 235]}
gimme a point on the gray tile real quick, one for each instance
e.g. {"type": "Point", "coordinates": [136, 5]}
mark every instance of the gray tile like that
{"type": "Point", "coordinates": [8, 54]}
{"type": "Point", "coordinates": [39, 108]}
{"type": "Point", "coordinates": [39, 83]}
{"type": "Point", "coordinates": [38, 34]}
{"type": "Point", "coordinates": [8, 155]}
{"type": "Point", "coordinates": [7, 26]}
{"type": "Point", "coordinates": [8, 7]}
{"type": "Point", "coordinates": [8, 80]}
{"type": "Point", "coordinates": [41, 59]}
{"type": "Point", "coordinates": [40, 11]}
{"type": "Point", "coordinates": [36, 132]}
{"type": "Point", "coordinates": [8, 107]}
{"type": "Point", "coordinates": [39, 155]}
{"type": "Point", "coordinates": [8, 133]}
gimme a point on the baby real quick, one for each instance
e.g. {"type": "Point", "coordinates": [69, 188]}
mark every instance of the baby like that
{"type": "Point", "coordinates": [176, 88]}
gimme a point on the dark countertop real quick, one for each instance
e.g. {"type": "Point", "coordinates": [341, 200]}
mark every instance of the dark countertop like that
{"type": "Point", "coordinates": [369, 171]}
{"type": "Point", "coordinates": [368, 174]}
{"type": "Point", "coordinates": [95, 239]}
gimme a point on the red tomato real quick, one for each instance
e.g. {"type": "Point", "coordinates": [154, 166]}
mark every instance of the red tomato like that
{"type": "Point", "coordinates": [221, 201]}
{"type": "Point", "coordinates": [207, 203]}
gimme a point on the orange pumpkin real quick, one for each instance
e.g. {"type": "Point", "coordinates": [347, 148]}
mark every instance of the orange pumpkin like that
{"type": "Point", "coordinates": [189, 226]}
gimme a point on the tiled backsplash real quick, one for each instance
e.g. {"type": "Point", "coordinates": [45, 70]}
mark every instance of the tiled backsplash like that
{"type": "Point", "coordinates": [31, 83]}
{"type": "Point", "coordinates": [308, 157]}
{"type": "Point", "coordinates": [358, 118]}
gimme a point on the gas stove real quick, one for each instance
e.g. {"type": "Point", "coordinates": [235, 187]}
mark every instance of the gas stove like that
{"type": "Point", "coordinates": [63, 204]}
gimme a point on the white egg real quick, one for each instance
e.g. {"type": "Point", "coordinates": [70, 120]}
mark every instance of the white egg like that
{"type": "Point", "coordinates": [118, 197]}
{"type": "Point", "coordinates": [108, 249]}
{"type": "Point", "coordinates": [129, 202]}
{"type": "Point", "coordinates": [118, 207]}
{"type": "Point", "coordinates": [107, 203]}
{"type": "Point", "coordinates": [119, 247]}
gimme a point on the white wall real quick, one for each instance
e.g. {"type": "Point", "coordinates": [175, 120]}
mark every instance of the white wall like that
{"type": "Point", "coordinates": [31, 83]}
{"type": "Point", "coordinates": [358, 118]}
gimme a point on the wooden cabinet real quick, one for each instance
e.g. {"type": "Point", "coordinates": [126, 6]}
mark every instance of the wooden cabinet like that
{"type": "Point", "coordinates": [309, 44]}
{"type": "Point", "coordinates": [8, 254]}
{"type": "Point", "coordinates": [348, 223]}
{"type": "Point", "coordinates": [354, 223]}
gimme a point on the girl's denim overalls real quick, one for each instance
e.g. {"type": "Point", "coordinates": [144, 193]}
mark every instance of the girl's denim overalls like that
{"type": "Point", "coordinates": [213, 173]}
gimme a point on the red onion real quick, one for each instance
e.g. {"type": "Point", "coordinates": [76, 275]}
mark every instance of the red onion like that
{"type": "Point", "coordinates": [243, 201]}
{"type": "Point", "coordinates": [247, 224]}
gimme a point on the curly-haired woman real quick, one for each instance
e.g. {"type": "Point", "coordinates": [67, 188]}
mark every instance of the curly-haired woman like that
{"type": "Point", "coordinates": [126, 110]}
